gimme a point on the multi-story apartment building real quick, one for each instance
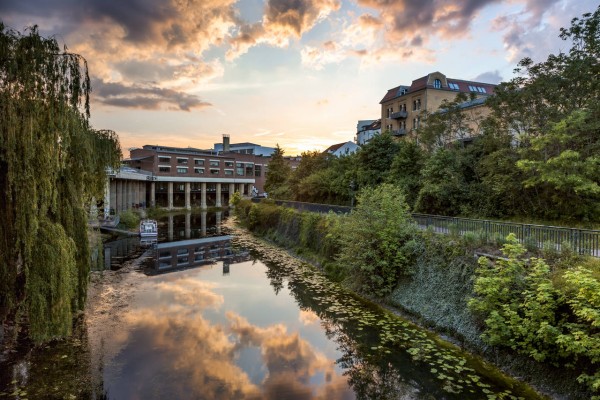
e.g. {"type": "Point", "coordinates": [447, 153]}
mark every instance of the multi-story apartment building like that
{"type": "Point", "coordinates": [187, 177]}
{"type": "Point", "coordinates": [402, 107]}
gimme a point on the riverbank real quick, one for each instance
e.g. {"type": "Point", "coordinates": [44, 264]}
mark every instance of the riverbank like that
{"type": "Point", "coordinates": [435, 296]}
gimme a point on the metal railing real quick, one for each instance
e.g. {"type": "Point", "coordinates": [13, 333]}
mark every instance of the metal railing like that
{"type": "Point", "coordinates": [583, 241]}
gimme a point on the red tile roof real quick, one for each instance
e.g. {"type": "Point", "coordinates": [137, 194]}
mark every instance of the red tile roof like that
{"type": "Point", "coordinates": [334, 147]}
{"type": "Point", "coordinates": [421, 83]}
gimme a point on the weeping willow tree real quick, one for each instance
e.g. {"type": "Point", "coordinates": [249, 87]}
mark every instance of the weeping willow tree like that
{"type": "Point", "coordinates": [52, 163]}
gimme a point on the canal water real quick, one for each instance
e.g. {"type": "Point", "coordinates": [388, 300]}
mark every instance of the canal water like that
{"type": "Point", "coordinates": [208, 312]}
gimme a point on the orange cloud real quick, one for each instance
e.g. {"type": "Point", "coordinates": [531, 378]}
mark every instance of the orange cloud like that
{"type": "Point", "coordinates": [282, 20]}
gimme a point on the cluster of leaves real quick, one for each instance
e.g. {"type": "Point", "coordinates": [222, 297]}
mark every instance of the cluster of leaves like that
{"type": "Point", "coordinates": [535, 154]}
{"type": "Point", "coordinates": [52, 163]}
{"type": "Point", "coordinates": [370, 248]}
{"type": "Point", "coordinates": [549, 316]}
{"type": "Point", "coordinates": [378, 240]}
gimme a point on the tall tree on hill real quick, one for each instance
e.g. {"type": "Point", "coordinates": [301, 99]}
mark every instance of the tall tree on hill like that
{"type": "Point", "coordinates": [51, 164]}
{"type": "Point", "coordinates": [278, 174]}
{"type": "Point", "coordinates": [552, 110]}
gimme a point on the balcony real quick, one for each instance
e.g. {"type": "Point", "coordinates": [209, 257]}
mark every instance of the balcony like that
{"type": "Point", "coordinates": [399, 132]}
{"type": "Point", "coordinates": [399, 115]}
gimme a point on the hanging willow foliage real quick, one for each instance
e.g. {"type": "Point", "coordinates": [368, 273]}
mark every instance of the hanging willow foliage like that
{"type": "Point", "coordinates": [52, 163]}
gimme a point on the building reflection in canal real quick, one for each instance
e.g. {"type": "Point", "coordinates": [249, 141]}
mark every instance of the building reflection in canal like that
{"type": "Point", "coordinates": [171, 256]}
{"type": "Point", "coordinates": [198, 230]}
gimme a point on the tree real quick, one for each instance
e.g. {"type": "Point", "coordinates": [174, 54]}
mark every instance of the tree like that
{"type": "Point", "coordinates": [405, 170]}
{"type": "Point", "coordinates": [278, 173]}
{"type": "Point", "coordinates": [310, 163]}
{"type": "Point", "coordinates": [52, 163]}
{"type": "Point", "coordinates": [378, 240]}
{"type": "Point", "coordinates": [374, 160]}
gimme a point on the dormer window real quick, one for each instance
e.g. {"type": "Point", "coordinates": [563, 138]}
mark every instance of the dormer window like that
{"type": "Point", "coordinates": [437, 84]}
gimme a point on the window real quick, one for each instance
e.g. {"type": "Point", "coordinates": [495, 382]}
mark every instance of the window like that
{"type": "Point", "coordinates": [198, 161]}
{"type": "Point", "coordinates": [181, 160]}
{"type": "Point", "coordinates": [481, 89]}
{"type": "Point", "coordinates": [215, 171]}
{"type": "Point", "coordinates": [164, 254]}
{"type": "Point", "coordinates": [229, 164]}
{"type": "Point", "coordinates": [239, 171]}
{"type": "Point", "coordinates": [164, 159]}
{"type": "Point", "coordinates": [228, 172]}
{"type": "Point", "coordinates": [199, 257]}
{"type": "Point", "coordinates": [182, 260]}
{"type": "Point", "coordinates": [390, 110]}
{"type": "Point", "coordinates": [257, 170]}
{"type": "Point", "coordinates": [416, 104]}
{"type": "Point", "coordinates": [199, 170]}
{"type": "Point", "coordinates": [182, 251]}
{"type": "Point", "coordinates": [182, 170]}
{"type": "Point", "coordinates": [164, 168]}
{"type": "Point", "coordinates": [249, 169]}
{"type": "Point", "coordinates": [416, 123]}
{"type": "Point", "coordinates": [437, 84]}
{"type": "Point", "coordinates": [453, 86]}
{"type": "Point", "coordinates": [214, 163]}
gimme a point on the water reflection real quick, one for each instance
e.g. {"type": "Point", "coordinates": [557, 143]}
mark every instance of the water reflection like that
{"type": "Point", "coordinates": [216, 322]}
{"type": "Point", "coordinates": [188, 339]}
{"type": "Point", "coordinates": [170, 256]}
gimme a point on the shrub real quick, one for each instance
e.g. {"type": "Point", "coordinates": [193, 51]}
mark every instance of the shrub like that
{"type": "Point", "coordinates": [548, 318]}
{"type": "Point", "coordinates": [129, 219]}
{"type": "Point", "coordinates": [378, 240]}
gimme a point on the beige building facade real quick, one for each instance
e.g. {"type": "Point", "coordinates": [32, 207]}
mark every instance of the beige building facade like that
{"type": "Point", "coordinates": [403, 106]}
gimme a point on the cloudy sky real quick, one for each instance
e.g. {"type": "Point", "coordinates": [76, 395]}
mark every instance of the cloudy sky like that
{"type": "Point", "coordinates": [295, 72]}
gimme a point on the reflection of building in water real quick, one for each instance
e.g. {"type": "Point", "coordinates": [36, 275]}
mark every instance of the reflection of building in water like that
{"type": "Point", "coordinates": [196, 252]}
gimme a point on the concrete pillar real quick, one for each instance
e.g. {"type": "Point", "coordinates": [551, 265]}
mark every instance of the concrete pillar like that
{"type": "Point", "coordinates": [203, 222]}
{"type": "Point", "coordinates": [218, 195]}
{"type": "Point", "coordinates": [203, 196]}
{"type": "Point", "coordinates": [144, 193]}
{"type": "Point", "coordinates": [241, 189]}
{"type": "Point", "coordinates": [170, 195]}
{"type": "Point", "coordinates": [188, 225]}
{"type": "Point", "coordinates": [127, 202]}
{"type": "Point", "coordinates": [153, 194]}
{"type": "Point", "coordinates": [187, 196]}
{"type": "Point", "coordinates": [170, 228]}
{"type": "Point", "coordinates": [119, 206]}
{"type": "Point", "coordinates": [218, 215]}
{"type": "Point", "coordinates": [136, 192]}
{"type": "Point", "coordinates": [107, 198]}
{"type": "Point", "coordinates": [113, 194]}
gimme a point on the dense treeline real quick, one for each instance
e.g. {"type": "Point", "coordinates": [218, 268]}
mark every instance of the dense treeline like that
{"type": "Point", "coordinates": [52, 164]}
{"type": "Point", "coordinates": [546, 311]}
{"type": "Point", "coordinates": [536, 156]}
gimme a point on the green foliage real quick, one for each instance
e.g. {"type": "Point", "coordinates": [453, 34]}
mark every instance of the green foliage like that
{"type": "Point", "coordinates": [374, 160]}
{"type": "Point", "coordinates": [129, 219]}
{"type": "Point", "coordinates": [549, 318]}
{"type": "Point", "coordinates": [378, 240]}
{"type": "Point", "coordinates": [278, 173]}
{"type": "Point", "coordinates": [235, 199]}
{"type": "Point", "coordinates": [51, 164]}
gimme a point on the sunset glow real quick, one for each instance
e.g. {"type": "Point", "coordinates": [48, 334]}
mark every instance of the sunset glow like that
{"type": "Point", "coordinates": [295, 72]}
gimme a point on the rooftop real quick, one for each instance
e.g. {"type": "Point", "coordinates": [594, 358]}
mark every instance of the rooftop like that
{"type": "Point", "coordinates": [455, 85]}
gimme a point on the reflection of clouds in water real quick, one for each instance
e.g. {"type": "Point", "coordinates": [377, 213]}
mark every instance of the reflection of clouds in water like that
{"type": "Point", "coordinates": [191, 292]}
{"type": "Point", "coordinates": [308, 317]}
{"type": "Point", "coordinates": [174, 352]}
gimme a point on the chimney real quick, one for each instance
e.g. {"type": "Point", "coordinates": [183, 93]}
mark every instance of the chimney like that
{"type": "Point", "coordinates": [225, 143]}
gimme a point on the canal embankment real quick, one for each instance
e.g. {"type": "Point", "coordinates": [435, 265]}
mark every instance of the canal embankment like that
{"type": "Point", "coordinates": [438, 289]}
